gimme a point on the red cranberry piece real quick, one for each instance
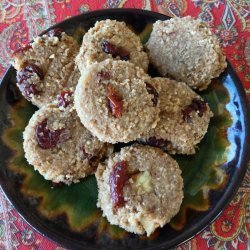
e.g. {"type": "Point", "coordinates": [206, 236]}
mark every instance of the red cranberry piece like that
{"type": "Point", "coordinates": [196, 105]}
{"type": "Point", "coordinates": [117, 180]}
{"type": "Point", "coordinates": [28, 90]}
{"type": "Point", "coordinates": [30, 69]}
{"type": "Point", "coordinates": [186, 114]}
{"type": "Point", "coordinates": [200, 106]}
{"type": "Point", "coordinates": [123, 54]}
{"type": "Point", "coordinates": [34, 68]}
{"type": "Point", "coordinates": [23, 49]}
{"type": "Point", "coordinates": [115, 102]}
{"type": "Point", "coordinates": [46, 138]}
{"type": "Point", "coordinates": [115, 51]}
{"type": "Point", "coordinates": [23, 75]}
{"type": "Point", "coordinates": [103, 75]}
{"type": "Point", "coordinates": [158, 142]}
{"type": "Point", "coordinates": [152, 91]}
{"type": "Point", "coordinates": [63, 98]}
{"type": "Point", "coordinates": [91, 158]}
{"type": "Point", "coordinates": [172, 33]}
{"type": "Point", "coordinates": [55, 32]}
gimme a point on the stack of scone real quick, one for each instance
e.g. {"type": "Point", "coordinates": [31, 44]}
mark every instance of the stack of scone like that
{"type": "Point", "coordinates": [110, 99]}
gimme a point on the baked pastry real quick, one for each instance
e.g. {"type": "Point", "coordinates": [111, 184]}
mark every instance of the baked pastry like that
{"type": "Point", "coordinates": [140, 189]}
{"type": "Point", "coordinates": [111, 39]}
{"type": "Point", "coordinates": [46, 67]}
{"type": "Point", "coordinates": [115, 101]}
{"type": "Point", "coordinates": [186, 50]}
{"type": "Point", "coordinates": [58, 146]}
{"type": "Point", "coordinates": [184, 118]}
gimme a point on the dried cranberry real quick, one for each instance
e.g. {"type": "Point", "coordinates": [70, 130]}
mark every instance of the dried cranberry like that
{"type": "Point", "coordinates": [63, 99]}
{"type": "Point", "coordinates": [186, 114]}
{"type": "Point", "coordinates": [115, 102]}
{"type": "Point", "coordinates": [117, 180]}
{"type": "Point", "coordinates": [46, 138]}
{"type": "Point", "coordinates": [23, 75]}
{"type": "Point", "coordinates": [202, 107]}
{"type": "Point", "coordinates": [196, 105]}
{"type": "Point", "coordinates": [172, 33]}
{"type": "Point", "coordinates": [115, 51]}
{"type": "Point", "coordinates": [55, 32]}
{"type": "Point", "coordinates": [23, 49]}
{"type": "Point", "coordinates": [158, 142]}
{"type": "Point", "coordinates": [152, 91]}
{"type": "Point", "coordinates": [123, 54]}
{"type": "Point", "coordinates": [28, 90]}
{"type": "Point", "coordinates": [26, 72]}
{"type": "Point", "coordinates": [103, 75]}
{"type": "Point", "coordinates": [91, 158]}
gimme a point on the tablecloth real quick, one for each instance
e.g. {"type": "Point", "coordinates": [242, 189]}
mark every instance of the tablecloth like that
{"type": "Point", "coordinates": [21, 20]}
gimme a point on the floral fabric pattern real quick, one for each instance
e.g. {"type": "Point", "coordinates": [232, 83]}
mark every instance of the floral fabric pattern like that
{"type": "Point", "coordinates": [21, 21]}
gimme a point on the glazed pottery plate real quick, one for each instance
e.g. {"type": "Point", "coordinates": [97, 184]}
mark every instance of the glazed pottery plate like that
{"type": "Point", "coordinates": [68, 214]}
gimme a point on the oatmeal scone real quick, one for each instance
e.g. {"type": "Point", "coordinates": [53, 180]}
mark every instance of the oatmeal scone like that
{"type": "Point", "coordinates": [184, 118]}
{"type": "Point", "coordinates": [115, 102]}
{"type": "Point", "coordinates": [46, 67]}
{"type": "Point", "coordinates": [59, 146]}
{"type": "Point", "coordinates": [139, 189]}
{"type": "Point", "coordinates": [111, 39]}
{"type": "Point", "coordinates": [186, 50]}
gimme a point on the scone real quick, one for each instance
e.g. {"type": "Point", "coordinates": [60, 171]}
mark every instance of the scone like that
{"type": "Point", "coordinates": [111, 39]}
{"type": "Point", "coordinates": [115, 101]}
{"type": "Point", "coordinates": [46, 67]}
{"type": "Point", "coordinates": [184, 118]}
{"type": "Point", "coordinates": [140, 189]}
{"type": "Point", "coordinates": [59, 146]}
{"type": "Point", "coordinates": [186, 50]}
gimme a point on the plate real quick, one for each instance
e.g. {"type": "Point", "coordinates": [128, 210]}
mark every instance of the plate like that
{"type": "Point", "coordinates": [68, 215]}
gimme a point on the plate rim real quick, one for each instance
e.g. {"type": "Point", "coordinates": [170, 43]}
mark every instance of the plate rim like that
{"type": "Point", "coordinates": [222, 203]}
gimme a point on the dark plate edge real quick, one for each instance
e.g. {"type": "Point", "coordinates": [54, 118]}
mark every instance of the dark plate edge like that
{"type": "Point", "coordinates": [231, 192]}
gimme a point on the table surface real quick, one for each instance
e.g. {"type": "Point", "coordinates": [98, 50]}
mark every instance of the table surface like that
{"type": "Point", "coordinates": [21, 20]}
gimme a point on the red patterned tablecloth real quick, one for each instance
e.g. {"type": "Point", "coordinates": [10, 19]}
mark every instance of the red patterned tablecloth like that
{"type": "Point", "coordinates": [21, 20]}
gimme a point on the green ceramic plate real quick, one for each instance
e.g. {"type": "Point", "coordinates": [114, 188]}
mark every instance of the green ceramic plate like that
{"type": "Point", "coordinates": [69, 215]}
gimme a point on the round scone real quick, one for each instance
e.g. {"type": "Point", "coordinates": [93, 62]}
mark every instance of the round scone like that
{"type": "Point", "coordinates": [46, 67]}
{"type": "Point", "coordinates": [59, 146]}
{"type": "Point", "coordinates": [184, 118]}
{"type": "Point", "coordinates": [186, 50]}
{"type": "Point", "coordinates": [111, 39]}
{"type": "Point", "coordinates": [115, 101]}
{"type": "Point", "coordinates": [140, 189]}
